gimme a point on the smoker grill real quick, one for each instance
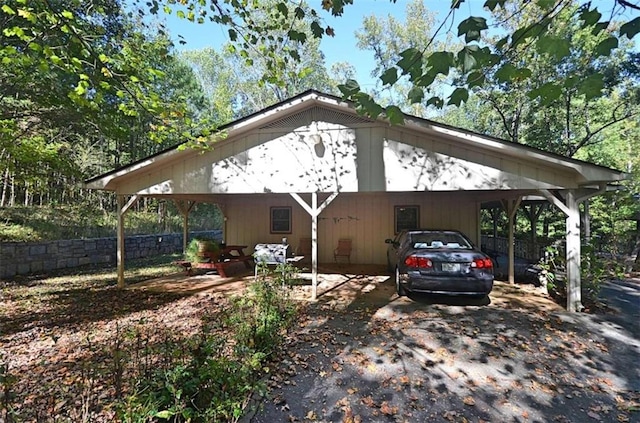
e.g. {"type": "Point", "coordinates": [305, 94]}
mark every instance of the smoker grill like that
{"type": "Point", "coordinates": [272, 253]}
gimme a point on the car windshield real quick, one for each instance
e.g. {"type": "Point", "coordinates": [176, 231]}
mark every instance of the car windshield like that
{"type": "Point", "coordinates": [434, 240]}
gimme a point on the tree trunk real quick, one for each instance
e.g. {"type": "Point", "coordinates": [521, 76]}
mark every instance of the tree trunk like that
{"type": "Point", "coordinates": [5, 184]}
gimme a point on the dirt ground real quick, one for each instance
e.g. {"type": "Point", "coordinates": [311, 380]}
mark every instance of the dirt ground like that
{"type": "Point", "coordinates": [361, 354]}
{"type": "Point", "coordinates": [357, 354]}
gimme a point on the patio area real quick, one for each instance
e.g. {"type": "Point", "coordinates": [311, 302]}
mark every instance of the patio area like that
{"type": "Point", "coordinates": [341, 284]}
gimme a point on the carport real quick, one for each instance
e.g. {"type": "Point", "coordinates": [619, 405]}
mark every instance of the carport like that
{"type": "Point", "coordinates": [311, 166]}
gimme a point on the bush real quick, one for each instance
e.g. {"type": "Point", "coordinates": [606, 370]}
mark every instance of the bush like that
{"type": "Point", "coordinates": [594, 271]}
{"type": "Point", "coordinates": [198, 246]}
{"type": "Point", "coordinates": [213, 375]}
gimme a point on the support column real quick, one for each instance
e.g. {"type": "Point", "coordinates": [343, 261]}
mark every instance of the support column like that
{"type": "Point", "coordinates": [120, 253]}
{"type": "Point", "coordinates": [314, 246]}
{"type": "Point", "coordinates": [511, 207]}
{"type": "Point", "coordinates": [185, 208]}
{"type": "Point", "coordinates": [574, 290]}
{"type": "Point", "coordinates": [120, 241]}
{"type": "Point", "coordinates": [571, 209]}
{"type": "Point", "coordinates": [314, 210]}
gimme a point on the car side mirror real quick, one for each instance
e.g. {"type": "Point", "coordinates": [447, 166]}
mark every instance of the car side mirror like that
{"type": "Point", "coordinates": [388, 241]}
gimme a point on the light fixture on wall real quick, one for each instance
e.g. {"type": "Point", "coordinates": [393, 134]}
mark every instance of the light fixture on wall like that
{"type": "Point", "coordinates": [318, 144]}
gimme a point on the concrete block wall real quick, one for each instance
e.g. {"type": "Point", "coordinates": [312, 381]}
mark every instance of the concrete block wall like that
{"type": "Point", "coordinates": [21, 258]}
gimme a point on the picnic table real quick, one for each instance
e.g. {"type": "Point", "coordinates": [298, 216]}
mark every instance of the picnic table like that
{"type": "Point", "coordinates": [220, 260]}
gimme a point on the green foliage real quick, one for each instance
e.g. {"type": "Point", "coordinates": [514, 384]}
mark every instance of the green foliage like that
{"type": "Point", "coordinates": [531, 30]}
{"type": "Point", "coordinates": [197, 246]}
{"type": "Point", "coordinates": [259, 318]}
{"type": "Point", "coordinates": [205, 380]}
{"type": "Point", "coordinates": [87, 220]}
{"type": "Point", "coordinates": [595, 270]}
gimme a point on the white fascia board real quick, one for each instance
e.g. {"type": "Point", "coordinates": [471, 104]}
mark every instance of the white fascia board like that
{"type": "Point", "coordinates": [105, 182]}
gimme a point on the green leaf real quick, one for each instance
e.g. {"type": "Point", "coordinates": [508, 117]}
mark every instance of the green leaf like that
{"type": "Point", "coordinates": [475, 79]}
{"type": "Point", "coordinates": [415, 95]}
{"type": "Point", "coordinates": [233, 35]}
{"type": "Point", "coordinates": [367, 105]}
{"type": "Point", "coordinates": [553, 46]}
{"type": "Point", "coordinates": [164, 414]}
{"type": "Point", "coordinates": [349, 88]}
{"type": "Point", "coordinates": [316, 29]}
{"type": "Point", "coordinates": [180, 14]}
{"type": "Point", "coordinates": [589, 17]}
{"type": "Point", "coordinates": [631, 28]}
{"type": "Point", "coordinates": [6, 9]}
{"type": "Point", "coordinates": [548, 93]}
{"type": "Point", "coordinates": [441, 62]}
{"type": "Point", "coordinates": [395, 115]}
{"type": "Point", "coordinates": [472, 28]}
{"type": "Point", "coordinates": [283, 9]}
{"type": "Point", "coordinates": [411, 62]}
{"type": "Point", "coordinates": [591, 86]}
{"type": "Point", "coordinates": [67, 14]}
{"type": "Point", "coordinates": [492, 4]}
{"type": "Point", "coordinates": [467, 59]}
{"type": "Point", "coordinates": [298, 36]}
{"type": "Point", "coordinates": [299, 13]}
{"type": "Point", "coordinates": [425, 80]}
{"type": "Point", "coordinates": [390, 76]}
{"type": "Point", "coordinates": [506, 73]}
{"type": "Point", "coordinates": [606, 45]}
{"type": "Point", "coordinates": [458, 96]}
{"type": "Point", "coordinates": [435, 101]}
{"type": "Point", "coordinates": [546, 4]}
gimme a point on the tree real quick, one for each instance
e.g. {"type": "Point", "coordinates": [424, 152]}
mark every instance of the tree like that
{"type": "Point", "coordinates": [387, 37]}
{"type": "Point", "coordinates": [482, 56]}
{"type": "Point", "coordinates": [236, 83]}
{"type": "Point", "coordinates": [82, 90]}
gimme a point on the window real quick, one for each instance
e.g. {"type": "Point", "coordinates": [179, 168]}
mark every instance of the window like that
{"type": "Point", "coordinates": [407, 217]}
{"type": "Point", "coordinates": [280, 220]}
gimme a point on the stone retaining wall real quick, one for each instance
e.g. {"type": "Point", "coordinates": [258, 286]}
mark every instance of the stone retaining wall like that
{"type": "Point", "coordinates": [20, 258]}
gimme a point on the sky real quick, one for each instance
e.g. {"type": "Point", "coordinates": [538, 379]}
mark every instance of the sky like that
{"type": "Point", "coordinates": [341, 48]}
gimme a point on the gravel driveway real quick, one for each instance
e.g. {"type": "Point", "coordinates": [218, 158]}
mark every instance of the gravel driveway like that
{"type": "Point", "coordinates": [517, 357]}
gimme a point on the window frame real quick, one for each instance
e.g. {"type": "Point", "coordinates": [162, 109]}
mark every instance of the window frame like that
{"type": "Point", "coordinates": [277, 224]}
{"type": "Point", "coordinates": [400, 225]}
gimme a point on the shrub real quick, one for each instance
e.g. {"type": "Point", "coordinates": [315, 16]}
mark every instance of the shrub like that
{"type": "Point", "coordinates": [198, 246]}
{"type": "Point", "coordinates": [595, 269]}
{"type": "Point", "coordinates": [213, 374]}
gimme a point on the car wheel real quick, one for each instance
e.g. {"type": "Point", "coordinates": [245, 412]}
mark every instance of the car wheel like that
{"type": "Point", "coordinates": [400, 289]}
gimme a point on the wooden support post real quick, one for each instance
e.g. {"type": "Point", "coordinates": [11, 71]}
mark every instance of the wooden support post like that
{"type": "Point", "coordinates": [185, 208]}
{"type": "Point", "coordinates": [574, 290]}
{"type": "Point", "coordinates": [314, 246]}
{"type": "Point", "coordinates": [314, 210]}
{"type": "Point", "coordinates": [120, 252]}
{"type": "Point", "coordinates": [511, 207]}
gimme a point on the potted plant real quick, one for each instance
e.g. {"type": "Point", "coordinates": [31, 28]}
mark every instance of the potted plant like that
{"type": "Point", "coordinates": [201, 250]}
